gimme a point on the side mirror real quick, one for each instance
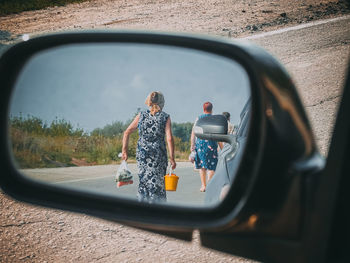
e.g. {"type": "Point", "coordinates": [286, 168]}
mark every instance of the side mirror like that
{"type": "Point", "coordinates": [277, 152]}
{"type": "Point", "coordinates": [212, 127]}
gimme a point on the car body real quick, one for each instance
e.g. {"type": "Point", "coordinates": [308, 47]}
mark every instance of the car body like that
{"type": "Point", "coordinates": [228, 161]}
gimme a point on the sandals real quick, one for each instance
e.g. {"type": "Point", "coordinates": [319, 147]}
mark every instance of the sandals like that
{"type": "Point", "coordinates": [202, 189]}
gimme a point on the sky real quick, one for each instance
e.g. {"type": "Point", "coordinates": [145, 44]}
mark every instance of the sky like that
{"type": "Point", "coordinates": [92, 85]}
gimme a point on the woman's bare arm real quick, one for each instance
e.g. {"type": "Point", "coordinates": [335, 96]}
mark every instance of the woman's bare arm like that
{"type": "Point", "coordinates": [132, 127]}
{"type": "Point", "coordinates": [170, 141]}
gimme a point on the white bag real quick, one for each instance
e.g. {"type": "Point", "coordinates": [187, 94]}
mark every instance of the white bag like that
{"type": "Point", "coordinates": [123, 176]}
{"type": "Point", "coordinates": [192, 156]}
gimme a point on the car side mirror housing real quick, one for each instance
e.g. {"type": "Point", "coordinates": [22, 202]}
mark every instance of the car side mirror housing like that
{"type": "Point", "coordinates": [212, 127]}
{"type": "Point", "coordinates": [272, 177]}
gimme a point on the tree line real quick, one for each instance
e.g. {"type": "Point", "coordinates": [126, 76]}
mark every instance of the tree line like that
{"type": "Point", "coordinates": [36, 143]}
{"type": "Point", "coordinates": [180, 130]}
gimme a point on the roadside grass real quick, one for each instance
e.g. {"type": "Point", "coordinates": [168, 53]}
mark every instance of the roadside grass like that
{"type": "Point", "coordinates": [8, 7]}
{"type": "Point", "coordinates": [36, 144]}
{"type": "Point", "coordinates": [32, 150]}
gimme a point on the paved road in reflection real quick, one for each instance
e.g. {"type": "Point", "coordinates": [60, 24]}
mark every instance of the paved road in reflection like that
{"type": "Point", "coordinates": [101, 179]}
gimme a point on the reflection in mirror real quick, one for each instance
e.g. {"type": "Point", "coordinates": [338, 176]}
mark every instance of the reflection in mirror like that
{"type": "Point", "coordinates": [72, 105]}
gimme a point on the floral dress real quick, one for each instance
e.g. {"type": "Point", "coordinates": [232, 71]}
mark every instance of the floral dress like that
{"type": "Point", "coordinates": [151, 156]}
{"type": "Point", "coordinates": [206, 152]}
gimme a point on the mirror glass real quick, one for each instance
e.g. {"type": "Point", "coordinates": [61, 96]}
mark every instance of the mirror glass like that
{"type": "Point", "coordinates": [71, 105]}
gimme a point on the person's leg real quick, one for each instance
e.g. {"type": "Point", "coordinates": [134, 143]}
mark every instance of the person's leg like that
{"type": "Point", "coordinates": [210, 174]}
{"type": "Point", "coordinates": [203, 174]}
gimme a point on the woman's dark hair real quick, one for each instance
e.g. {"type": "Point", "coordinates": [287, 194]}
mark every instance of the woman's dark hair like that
{"type": "Point", "coordinates": [207, 106]}
{"type": "Point", "coordinates": [227, 115]}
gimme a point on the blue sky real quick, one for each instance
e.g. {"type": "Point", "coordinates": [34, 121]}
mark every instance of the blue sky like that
{"type": "Point", "coordinates": [92, 85]}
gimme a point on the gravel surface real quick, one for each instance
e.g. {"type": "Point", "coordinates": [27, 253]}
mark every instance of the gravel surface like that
{"type": "Point", "coordinates": [218, 17]}
{"type": "Point", "coordinates": [32, 234]}
{"type": "Point", "coordinates": [316, 58]}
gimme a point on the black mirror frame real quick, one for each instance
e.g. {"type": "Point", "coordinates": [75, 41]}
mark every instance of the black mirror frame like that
{"type": "Point", "coordinates": [266, 76]}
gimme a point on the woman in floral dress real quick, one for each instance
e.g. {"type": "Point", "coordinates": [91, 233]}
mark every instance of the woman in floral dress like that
{"type": "Point", "coordinates": [151, 154]}
{"type": "Point", "coordinates": [206, 157]}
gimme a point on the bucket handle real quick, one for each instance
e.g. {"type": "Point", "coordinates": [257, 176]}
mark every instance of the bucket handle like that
{"type": "Point", "coordinates": [170, 170]}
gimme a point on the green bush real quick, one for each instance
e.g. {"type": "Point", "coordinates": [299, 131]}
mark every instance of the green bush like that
{"type": "Point", "coordinates": [30, 124]}
{"type": "Point", "coordinates": [182, 130]}
{"type": "Point", "coordinates": [36, 144]}
{"type": "Point", "coordinates": [110, 130]}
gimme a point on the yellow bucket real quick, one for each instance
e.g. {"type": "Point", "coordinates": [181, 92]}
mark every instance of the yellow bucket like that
{"type": "Point", "coordinates": [171, 182]}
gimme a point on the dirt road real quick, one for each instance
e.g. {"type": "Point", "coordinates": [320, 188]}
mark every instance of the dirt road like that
{"type": "Point", "coordinates": [32, 234]}
{"type": "Point", "coordinates": [218, 17]}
